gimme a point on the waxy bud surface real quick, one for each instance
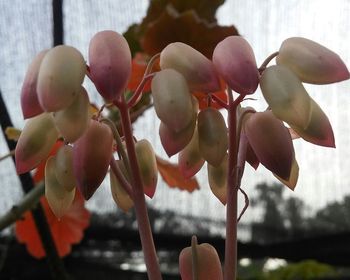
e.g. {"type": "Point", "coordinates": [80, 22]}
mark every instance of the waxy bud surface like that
{"type": "Point", "coordinates": [110, 63]}
{"type": "Point", "coordinates": [312, 62]}
{"type": "Point", "coordinates": [234, 60]}
{"type": "Point", "coordinates": [194, 66]}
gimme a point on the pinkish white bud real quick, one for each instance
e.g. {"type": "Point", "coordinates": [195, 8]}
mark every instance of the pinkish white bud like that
{"type": "Point", "coordinates": [110, 63]}
{"type": "Point", "coordinates": [312, 62]}
{"type": "Point", "coordinates": [194, 66]}
{"type": "Point", "coordinates": [92, 153]}
{"type": "Point", "coordinates": [217, 177]}
{"type": "Point", "coordinates": [61, 74]}
{"type": "Point", "coordinates": [286, 96]}
{"type": "Point", "coordinates": [35, 142]}
{"type": "Point", "coordinates": [29, 97]}
{"type": "Point", "coordinates": [234, 60]}
{"type": "Point", "coordinates": [271, 142]}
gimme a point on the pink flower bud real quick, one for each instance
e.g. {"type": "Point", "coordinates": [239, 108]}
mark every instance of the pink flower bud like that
{"type": "Point", "coordinates": [271, 142]}
{"type": "Point", "coordinates": [110, 63]}
{"type": "Point", "coordinates": [92, 153]}
{"type": "Point", "coordinates": [293, 178]}
{"type": "Point", "coordinates": [35, 142]}
{"type": "Point", "coordinates": [312, 62]}
{"type": "Point", "coordinates": [203, 259]}
{"type": "Point", "coordinates": [319, 131]}
{"type": "Point", "coordinates": [194, 66]}
{"type": "Point", "coordinates": [286, 96]}
{"type": "Point", "coordinates": [29, 97]}
{"type": "Point", "coordinates": [234, 60]}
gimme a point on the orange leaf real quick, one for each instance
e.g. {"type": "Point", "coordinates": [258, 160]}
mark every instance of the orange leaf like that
{"type": "Point", "coordinates": [187, 27]}
{"type": "Point", "coordinates": [172, 176]}
{"type": "Point", "coordinates": [65, 232]}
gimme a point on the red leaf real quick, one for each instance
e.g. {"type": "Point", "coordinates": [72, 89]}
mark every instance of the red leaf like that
{"type": "Point", "coordinates": [172, 176]}
{"type": "Point", "coordinates": [65, 232]}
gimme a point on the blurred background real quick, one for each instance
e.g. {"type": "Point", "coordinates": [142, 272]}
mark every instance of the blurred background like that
{"type": "Point", "coordinates": [281, 231]}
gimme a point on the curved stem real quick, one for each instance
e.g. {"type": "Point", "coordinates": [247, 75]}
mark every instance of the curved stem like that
{"type": "Point", "coordinates": [219, 101]}
{"type": "Point", "coordinates": [151, 63]}
{"type": "Point", "coordinates": [267, 61]}
{"type": "Point", "coordinates": [121, 178]}
{"type": "Point", "coordinates": [145, 232]}
{"type": "Point", "coordinates": [135, 98]}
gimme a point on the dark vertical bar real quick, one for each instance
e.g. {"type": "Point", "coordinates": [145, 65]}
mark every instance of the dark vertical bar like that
{"type": "Point", "coordinates": [57, 12]}
{"type": "Point", "coordinates": [55, 263]}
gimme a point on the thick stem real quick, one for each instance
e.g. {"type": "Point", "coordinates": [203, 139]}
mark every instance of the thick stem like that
{"type": "Point", "coordinates": [230, 266]}
{"type": "Point", "coordinates": [145, 231]}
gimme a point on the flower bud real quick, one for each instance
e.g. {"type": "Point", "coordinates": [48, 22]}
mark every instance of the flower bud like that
{"type": "Point", "coordinates": [319, 131]}
{"type": "Point", "coordinates": [35, 142]}
{"type": "Point", "coordinates": [190, 159]}
{"type": "Point", "coordinates": [172, 100]}
{"type": "Point", "coordinates": [194, 66]}
{"type": "Point", "coordinates": [271, 142]}
{"type": "Point", "coordinates": [29, 97]}
{"type": "Point", "coordinates": [120, 196]}
{"type": "Point", "coordinates": [293, 178]}
{"type": "Point", "coordinates": [217, 177]}
{"type": "Point", "coordinates": [234, 60]}
{"type": "Point", "coordinates": [60, 77]}
{"type": "Point", "coordinates": [71, 122]}
{"type": "Point", "coordinates": [203, 259]}
{"type": "Point", "coordinates": [312, 62]}
{"type": "Point", "coordinates": [147, 162]}
{"type": "Point", "coordinates": [286, 96]}
{"type": "Point", "coordinates": [92, 154]}
{"type": "Point", "coordinates": [110, 63]}
{"type": "Point", "coordinates": [58, 197]}
{"type": "Point", "coordinates": [64, 167]}
{"type": "Point", "coordinates": [212, 136]}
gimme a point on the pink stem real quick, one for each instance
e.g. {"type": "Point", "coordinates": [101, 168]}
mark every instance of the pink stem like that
{"type": "Point", "coordinates": [230, 266]}
{"type": "Point", "coordinates": [219, 101]}
{"type": "Point", "coordinates": [134, 99]}
{"type": "Point", "coordinates": [121, 179]}
{"type": "Point", "coordinates": [145, 232]}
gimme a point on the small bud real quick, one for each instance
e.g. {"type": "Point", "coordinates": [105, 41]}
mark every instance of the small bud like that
{"type": "Point", "coordinates": [110, 63]}
{"type": "Point", "coordinates": [29, 97]}
{"type": "Point", "coordinates": [61, 74]}
{"type": "Point", "coordinates": [58, 197]}
{"type": "Point", "coordinates": [194, 66]}
{"type": "Point", "coordinates": [35, 142]}
{"type": "Point", "coordinates": [92, 153]}
{"type": "Point", "coordinates": [271, 142]}
{"type": "Point", "coordinates": [212, 136]}
{"type": "Point", "coordinates": [147, 162]}
{"type": "Point", "coordinates": [312, 62]}
{"type": "Point", "coordinates": [200, 260]}
{"type": "Point", "coordinates": [172, 100]}
{"type": "Point", "coordinates": [234, 60]}
{"type": "Point", "coordinates": [72, 121]}
{"type": "Point", "coordinates": [286, 96]}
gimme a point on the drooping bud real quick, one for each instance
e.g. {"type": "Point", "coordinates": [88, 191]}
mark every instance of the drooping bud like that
{"type": "Point", "coordinates": [194, 66]}
{"type": "Point", "coordinates": [59, 198]}
{"type": "Point", "coordinates": [293, 178]}
{"type": "Point", "coordinates": [200, 260]}
{"type": "Point", "coordinates": [120, 196]}
{"type": "Point", "coordinates": [190, 159]}
{"type": "Point", "coordinates": [72, 121]}
{"type": "Point", "coordinates": [29, 97]}
{"type": "Point", "coordinates": [271, 142]}
{"type": "Point", "coordinates": [110, 63]}
{"type": "Point", "coordinates": [35, 142]}
{"type": "Point", "coordinates": [286, 96]}
{"type": "Point", "coordinates": [60, 77]}
{"type": "Point", "coordinates": [172, 100]}
{"type": "Point", "coordinates": [212, 136]}
{"type": "Point", "coordinates": [64, 167]}
{"type": "Point", "coordinates": [312, 62]}
{"type": "Point", "coordinates": [147, 162]}
{"type": "Point", "coordinates": [234, 60]}
{"type": "Point", "coordinates": [319, 131]}
{"type": "Point", "coordinates": [217, 177]}
{"type": "Point", "coordinates": [92, 153]}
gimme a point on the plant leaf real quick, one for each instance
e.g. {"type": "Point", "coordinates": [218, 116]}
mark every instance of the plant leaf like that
{"type": "Point", "coordinates": [172, 176]}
